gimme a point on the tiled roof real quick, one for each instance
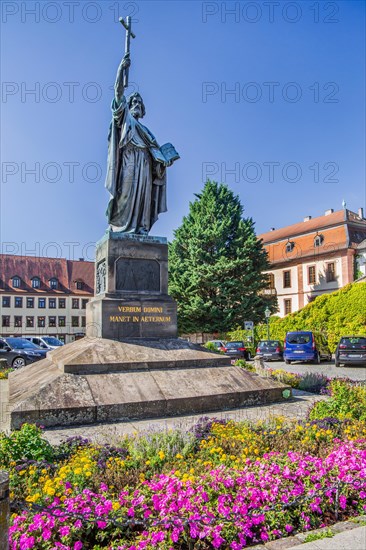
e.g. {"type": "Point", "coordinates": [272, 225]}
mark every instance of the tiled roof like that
{"type": "Point", "coordinates": [314, 224]}
{"type": "Point", "coordinates": [27, 267]}
{"type": "Point", "coordinates": [334, 239]}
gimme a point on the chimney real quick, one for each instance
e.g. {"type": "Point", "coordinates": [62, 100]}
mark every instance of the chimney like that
{"type": "Point", "coordinates": [327, 212]}
{"type": "Point", "coordinates": [273, 228]}
{"type": "Point", "coordinates": [307, 218]}
{"type": "Point", "coordinates": [360, 213]}
{"type": "Point", "coordinates": [81, 259]}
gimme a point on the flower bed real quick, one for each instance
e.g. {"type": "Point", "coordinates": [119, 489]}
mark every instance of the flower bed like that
{"type": "Point", "coordinates": [222, 485]}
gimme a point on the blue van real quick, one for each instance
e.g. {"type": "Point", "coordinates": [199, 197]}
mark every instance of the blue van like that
{"type": "Point", "coordinates": [306, 346]}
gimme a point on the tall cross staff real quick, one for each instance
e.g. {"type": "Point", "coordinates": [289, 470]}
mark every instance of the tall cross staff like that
{"type": "Point", "coordinates": [129, 33]}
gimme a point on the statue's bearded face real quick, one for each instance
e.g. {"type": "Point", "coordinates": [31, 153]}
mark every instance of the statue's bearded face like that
{"type": "Point", "coordinates": [136, 106]}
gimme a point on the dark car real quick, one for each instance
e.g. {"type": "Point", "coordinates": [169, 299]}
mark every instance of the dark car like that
{"type": "Point", "coordinates": [306, 346]}
{"type": "Point", "coordinates": [237, 350]}
{"type": "Point", "coordinates": [351, 350]}
{"type": "Point", "coordinates": [20, 352]}
{"type": "Point", "coordinates": [271, 350]}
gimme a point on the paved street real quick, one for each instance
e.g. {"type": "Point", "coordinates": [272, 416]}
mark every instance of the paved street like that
{"type": "Point", "coordinates": [355, 373]}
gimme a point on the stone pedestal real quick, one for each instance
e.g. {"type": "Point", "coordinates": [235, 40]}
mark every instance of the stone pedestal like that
{"type": "Point", "coordinates": [131, 285]}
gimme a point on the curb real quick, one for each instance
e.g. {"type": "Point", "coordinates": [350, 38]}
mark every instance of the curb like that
{"type": "Point", "coordinates": [287, 543]}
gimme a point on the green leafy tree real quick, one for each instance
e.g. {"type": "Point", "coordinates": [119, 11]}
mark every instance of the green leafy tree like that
{"type": "Point", "coordinates": [216, 265]}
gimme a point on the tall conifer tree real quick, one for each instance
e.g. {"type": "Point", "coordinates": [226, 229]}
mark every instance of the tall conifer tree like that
{"type": "Point", "coordinates": [216, 265]}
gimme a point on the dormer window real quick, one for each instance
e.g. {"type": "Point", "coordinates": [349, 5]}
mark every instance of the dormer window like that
{"type": "Point", "coordinates": [36, 282]}
{"type": "Point", "coordinates": [16, 282]}
{"type": "Point", "coordinates": [318, 241]}
{"type": "Point", "coordinates": [79, 285]}
{"type": "Point", "coordinates": [53, 283]}
{"type": "Point", "coordinates": [290, 245]}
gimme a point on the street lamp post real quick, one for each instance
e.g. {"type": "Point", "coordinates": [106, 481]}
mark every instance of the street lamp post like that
{"type": "Point", "coordinates": [267, 313]}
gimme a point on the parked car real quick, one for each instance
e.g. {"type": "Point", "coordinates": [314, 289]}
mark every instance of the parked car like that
{"type": "Point", "coordinates": [45, 342]}
{"type": "Point", "coordinates": [20, 352]}
{"type": "Point", "coordinates": [306, 346]}
{"type": "Point", "coordinates": [271, 350]}
{"type": "Point", "coordinates": [351, 350]}
{"type": "Point", "coordinates": [237, 350]}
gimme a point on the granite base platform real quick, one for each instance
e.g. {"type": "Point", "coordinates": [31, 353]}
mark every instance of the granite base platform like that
{"type": "Point", "coordinates": [98, 380]}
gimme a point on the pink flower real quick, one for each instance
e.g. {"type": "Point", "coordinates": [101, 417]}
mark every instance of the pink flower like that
{"type": "Point", "coordinates": [64, 531]}
{"type": "Point", "coordinates": [289, 528]}
{"type": "Point", "coordinates": [78, 545]}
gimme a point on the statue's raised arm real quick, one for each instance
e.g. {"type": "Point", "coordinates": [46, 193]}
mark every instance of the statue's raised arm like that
{"type": "Point", "coordinates": [119, 86]}
{"type": "Point", "coordinates": [123, 69]}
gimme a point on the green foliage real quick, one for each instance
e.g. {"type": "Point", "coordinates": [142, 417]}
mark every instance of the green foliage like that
{"type": "Point", "coordinates": [346, 401]}
{"type": "Point", "coordinates": [24, 444]}
{"type": "Point", "coordinates": [4, 373]}
{"type": "Point", "coordinates": [288, 378]}
{"type": "Point", "coordinates": [242, 363]}
{"type": "Point", "coordinates": [156, 447]}
{"type": "Point", "coordinates": [216, 264]}
{"type": "Point", "coordinates": [313, 382]}
{"type": "Point", "coordinates": [326, 533]}
{"type": "Point", "coordinates": [210, 346]}
{"type": "Point", "coordinates": [340, 313]}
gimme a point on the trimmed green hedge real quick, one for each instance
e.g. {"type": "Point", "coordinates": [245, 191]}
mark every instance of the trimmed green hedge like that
{"type": "Point", "coordinates": [341, 313]}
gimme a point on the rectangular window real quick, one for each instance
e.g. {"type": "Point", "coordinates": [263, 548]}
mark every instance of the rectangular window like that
{"type": "Point", "coordinates": [75, 303]}
{"type": "Point", "coordinates": [30, 302]}
{"type": "Point", "coordinates": [6, 301]}
{"type": "Point", "coordinates": [18, 320]}
{"type": "Point", "coordinates": [74, 321]}
{"type": "Point", "coordinates": [79, 285]}
{"type": "Point", "coordinates": [83, 321]}
{"type": "Point", "coordinates": [287, 306]}
{"type": "Point", "coordinates": [18, 302]}
{"type": "Point", "coordinates": [83, 303]}
{"type": "Point", "coordinates": [30, 322]}
{"type": "Point", "coordinates": [52, 303]}
{"type": "Point", "coordinates": [51, 321]}
{"type": "Point", "coordinates": [286, 279]}
{"type": "Point", "coordinates": [5, 321]}
{"type": "Point", "coordinates": [41, 322]}
{"type": "Point", "coordinates": [62, 303]}
{"type": "Point", "coordinates": [311, 275]}
{"type": "Point", "coordinates": [62, 321]}
{"type": "Point", "coordinates": [330, 273]}
{"type": "Point", "coordinates": [42, 303]}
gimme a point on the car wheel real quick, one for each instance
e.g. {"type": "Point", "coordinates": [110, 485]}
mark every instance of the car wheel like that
{"type": "Point", "coordinates": [337, 364]}
{"type": "Point", "coordinates": [18, 362]}
{"type": "Point", "coordinates": [288, 362]}
{"type": "Point", "coordinates": [249, 356]}
{"type": "Point", "coordinates": [317, 359]}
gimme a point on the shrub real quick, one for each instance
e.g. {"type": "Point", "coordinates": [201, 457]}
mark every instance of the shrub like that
{"type": "Point", "coordinates": [347, 401]}
{"type": "Point", "coordinates": [247, 366]}
{"type": "Point", "coordinates": [285, 377]}
{"type": "Point", "coordinates": [24, 444]}
{"type": "Point", "coordinates": [313, 382]}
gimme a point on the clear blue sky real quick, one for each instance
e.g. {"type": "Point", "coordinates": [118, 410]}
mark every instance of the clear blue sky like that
{"type": "Point", "coordinates": [297, 72]}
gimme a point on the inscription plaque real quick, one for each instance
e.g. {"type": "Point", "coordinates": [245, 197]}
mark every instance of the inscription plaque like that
{"type": "Point", "coordinates": [137, 275]}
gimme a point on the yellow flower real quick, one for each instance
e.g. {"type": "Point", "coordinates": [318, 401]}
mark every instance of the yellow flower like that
{"type": "Point", "coordinates": [147, 462]}
{"type": "Point", "coordinates": [116, 506]}
{"type": "Point", "coordinates": [161, 455]}
{"type": "Point", "coordinates": [178, 455]}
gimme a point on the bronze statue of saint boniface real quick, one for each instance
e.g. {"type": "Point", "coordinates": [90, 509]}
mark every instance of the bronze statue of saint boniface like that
{"type": "Point", "coordinates": [136, 174]}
